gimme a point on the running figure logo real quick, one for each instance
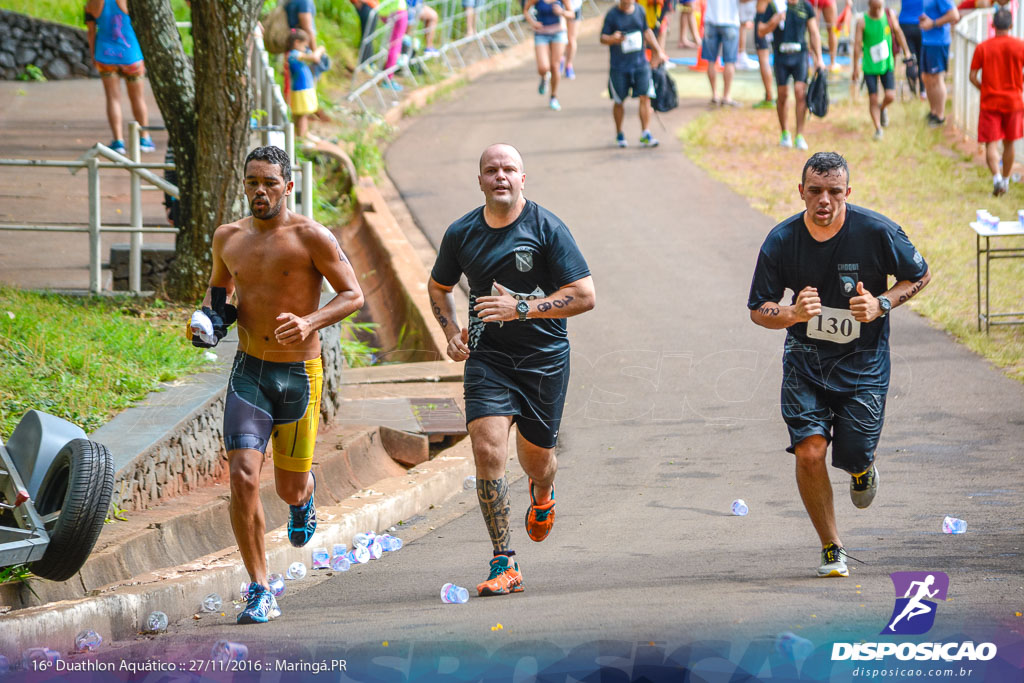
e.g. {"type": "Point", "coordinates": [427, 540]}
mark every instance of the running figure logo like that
{"type": "Point", "coordinates": [914, 612]}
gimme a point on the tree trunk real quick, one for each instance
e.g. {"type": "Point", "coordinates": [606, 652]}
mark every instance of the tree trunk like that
{"type": "Point", "coordinates": [206, 110]}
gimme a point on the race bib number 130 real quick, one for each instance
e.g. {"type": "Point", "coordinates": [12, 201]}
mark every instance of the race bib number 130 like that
{"type": "Point", "coordinates": [834, 325]}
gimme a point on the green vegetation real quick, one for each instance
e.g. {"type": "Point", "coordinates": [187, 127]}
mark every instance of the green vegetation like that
{"type": "Point", "coordinates": [84, 359]}
{"type": "Point", "coordinates": [18, 573]}
{"type": "Point", "coordinates": [916, 175]}
{"type": "Point", "coordinates": [31, 73]}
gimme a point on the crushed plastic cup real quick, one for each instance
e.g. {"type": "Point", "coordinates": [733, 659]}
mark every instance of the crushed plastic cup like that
{"type": "Point", "coordinates": [212, 603]}
{"type": "Point", "coordinates": [360, 540]}
{"type": "Point", "coordinates": [793, 647]}
{"type": "Point", "coordinates": [341, 563]}
{"type": "Point", "coordinates": [359, 555]}
{"type": "Point", "coordinates": [390, 543]}
{"type": "Point", "coordinates": [88, 641]}
{"type": "Point", "coordinates": [375, 549]}
{"type": "Point", "coordinates": [275, 582]}
{"type": "Point", "coordinates": [225, 652]}
{"type": "Point", "coordinates": [39, 658]}
{"type": "Point", "coordinates": [469, 483]}
{"type": "Point", "coordinates": [156, 621]}
{"type": "Point", "coordinates": [454, 595]}
{"type": "Point", "coordinates": [321, 558]}
{"type": "Point", "coordinates": [739, 507]}
{"type": "Point", "coordinates": [296, 571]}
{"type": "Point", "coordinates": [952, 525]}
{"type": "Point", "coordinates": [339, 549]}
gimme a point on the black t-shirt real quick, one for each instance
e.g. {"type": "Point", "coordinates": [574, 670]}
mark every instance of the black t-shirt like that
{"type": "Point", "coordinates": [793, 29]}
{"type": "Point", "coordinates": [828, 350]}
{"type": "Point", "coordinates": [531, 258]}
{"type": "Point", "coordinates": [764, 17]}
{"type": "Point", "coordinates": [629, 54]}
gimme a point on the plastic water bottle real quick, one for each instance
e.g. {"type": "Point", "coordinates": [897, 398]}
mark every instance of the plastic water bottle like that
{"type": "Point", "coordinates": [88, 641]}
{"type": "Point", "coordinates": [341, 563]}
{"type": "Point", "coordinates": [469, 483]}
{"type": "Point", "coordinates": [360, 540]}
{"type": "Point", "coordinates": [212, 603]}
{"type": "Point", "coordinates": [359, 555]}
{"type": "Point", "coordinates": [156, 621]}
{"type": "Point", "coordinates": [375, 549]}
{"type": "Point", "coordinates": [793, 647]}
{"type": "Point", "coordinates": [739, 507]}
{"type": "Point", "coordinates": [952, 525]}
{"type": "Point", "coordinates": [225, 652]}
{"type": "Point", "coordinates": [321, 558]}
{"type": "Point", "coordinates": [276, 584]}
{"type": "Point", "coordinates": [452, 594]}
{"type": "Point", "coordinates": [33, 657]}
{"type": "Point", "coordinates": [296, 571]}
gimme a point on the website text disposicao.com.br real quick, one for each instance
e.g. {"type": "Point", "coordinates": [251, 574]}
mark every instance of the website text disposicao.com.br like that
{"type": "Point", "coordinates": [910, 673]}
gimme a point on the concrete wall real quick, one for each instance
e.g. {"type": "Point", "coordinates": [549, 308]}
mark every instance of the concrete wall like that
{"type": "Point", "coordinates": [60, 51]}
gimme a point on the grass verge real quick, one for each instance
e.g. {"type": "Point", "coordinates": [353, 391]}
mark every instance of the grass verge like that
{"type": "Point", "coordinates": [916, 175]}
{"type": "Point", "coordinates": [84, 359]}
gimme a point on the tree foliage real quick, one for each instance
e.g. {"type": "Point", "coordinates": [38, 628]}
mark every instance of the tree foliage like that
{"type": "Point", "coordinates": [206, 106]}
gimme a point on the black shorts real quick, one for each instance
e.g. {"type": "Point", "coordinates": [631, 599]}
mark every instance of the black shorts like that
{"type": "Point", "coordinates": [279, 401]}
{"type": "Point", "coordinates": [852, 423]}
{"type": "Point", "coordinates": [794, 65]}
{"type": "Point", "coordinates": [760, 43]}
{"type": "Point", "coordinates": [533, 396]}
{"type": "Point", "coordinates": [912, 32]}
{"type": "Point", "coordinates": [888, 81]}
{"type": "Point", "coordinates": [638, 81]}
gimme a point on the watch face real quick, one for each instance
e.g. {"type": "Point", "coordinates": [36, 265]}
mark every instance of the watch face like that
{"type": "Point", "coordinates": [523, 307]}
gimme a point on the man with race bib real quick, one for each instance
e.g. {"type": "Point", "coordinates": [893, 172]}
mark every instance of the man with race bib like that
{"type": "Point", "coordinates": [836, 258]}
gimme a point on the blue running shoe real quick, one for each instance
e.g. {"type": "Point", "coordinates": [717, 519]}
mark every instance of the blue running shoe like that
{"type": "Point", "coordinates": [648, 140]}
{"type": "Point", "coordinates": [302, 522]}
{"type": "Point", "coordinates": [261, 606]}
{"type": "Point", "coordinates": [117, 146]}
{"type": "Point", "coordinates": [146, 144]}
{"type": "Point", "coordinates": [620, 140]}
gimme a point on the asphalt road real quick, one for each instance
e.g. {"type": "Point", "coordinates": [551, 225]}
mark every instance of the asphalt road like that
{"type": "Point", "coordinates": [673, 414]}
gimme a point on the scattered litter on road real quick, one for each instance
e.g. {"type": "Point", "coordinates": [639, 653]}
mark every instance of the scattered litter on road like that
{"type": "Point", "coordinates": [739, 508]}
{"type": "Point", "coordinates": [452, 594]}
{"type": "Point", "coordinates": [212, 603]}
{"type": "Point", "coordinates": [88, 641]}
{"type": "Point", "coordinates": [275, 582]}
{"type": "Point", "coordinates": [39, 659]}
{"type": "Point", "coordinates": [952, 525]}
{"type": "Point", "coordinates": [225, 652]}
{"type": "Point", "coordinates": [321, 558]}
{"type": "Point", "coordinates": [296, 571]}
{"type": "Point", "coordinates": [469, 483]}
{"type": "Point", "coordinates": [156, 622]}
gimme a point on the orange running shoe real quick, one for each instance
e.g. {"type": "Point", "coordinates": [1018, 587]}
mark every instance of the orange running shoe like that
{"type": "Point", "coordinates": [540, 517]}
{"type": "Point", "coordinates": [505, 577]}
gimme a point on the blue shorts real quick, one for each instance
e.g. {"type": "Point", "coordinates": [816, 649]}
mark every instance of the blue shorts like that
{"type": "Point", "coordinates": [888, 81]}
{"type": "Point", "coordinates": [560, 38]}
{"type": "Point", "coordinates": [466, 4]}
{"type": "Point", "coordinates": [533, 396]}
{"type": "Point", "coordinates": [934, 59]}
{"type": "Point", "coordinates": [726, 37]}
{"type": "Point", "coordinates": [638, 82]}
{"type": "Point", "coordinates": [852, 423]}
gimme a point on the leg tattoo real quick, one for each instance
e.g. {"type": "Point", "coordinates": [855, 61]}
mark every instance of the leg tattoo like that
{"type": "Point", "coordinates": [494, 503]}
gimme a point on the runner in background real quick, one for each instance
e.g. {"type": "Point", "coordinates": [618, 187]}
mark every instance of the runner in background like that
{"type": "Point", "coordinates": [873, 51]}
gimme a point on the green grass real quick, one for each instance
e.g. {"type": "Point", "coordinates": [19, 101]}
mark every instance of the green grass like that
{"type": "Point", "coordinates": [923, 178]}
{"type": "Point", "coordinates": [84, 359]}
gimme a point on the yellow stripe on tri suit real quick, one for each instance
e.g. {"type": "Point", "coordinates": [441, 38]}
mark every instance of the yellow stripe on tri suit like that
{"type": "Point", "coordinates": [294, 442]}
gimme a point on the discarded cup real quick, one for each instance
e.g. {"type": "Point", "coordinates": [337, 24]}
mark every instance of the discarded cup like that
{"type": "Point", "coordinates": [340, 563]}
{"type": "Point", "coordinates": [469, 483]}
{"type": "Point", "coordinates": [35, 658]}
{"type": "Point", "coordinates": [360, 540]}
{"type": "Point", "coordinates": [212, 603]}
{"type": "Point", "coordinates": [359, 555]}
{"type": "Point", "coordinates": [225, 652]}
{"type": "Point", "coordinates": [339, 549]}
{"type": "Point", "coordinates": [375, 549]}
{"type": "Point", "coordinates": [275, 582]}
{"type": "Point", "coordinates": [390, 543]}
{"type": "Point", "coordinates": [296, 570]}
{"type": "Point", "coordinates": [156, 621]}
{"type": "Point", "coordinates": [739, 507]}
{"type": "Point", "coordinates": [88, 641]}
{"type": "Point", "coordinates": [321, 558]}
{"type": "Point", "coordinates": [952, 525]}
{"type": "Point", "coordinates": [793, 647]}
{"type": "Point", "coordinates": [452, 594]}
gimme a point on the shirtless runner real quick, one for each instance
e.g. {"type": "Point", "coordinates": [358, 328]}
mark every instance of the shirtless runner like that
{"type": "Point", "coordinates": [274, 263]}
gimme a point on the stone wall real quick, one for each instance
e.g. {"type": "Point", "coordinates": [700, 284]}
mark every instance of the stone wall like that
{"type": "Point", "coordinates": [193, 455]}
{"type": "Point", "coordinates": [157, 260]}
{"type": "Point", "coordinates": [60, 51]}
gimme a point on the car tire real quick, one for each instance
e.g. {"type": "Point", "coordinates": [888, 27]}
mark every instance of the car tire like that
{"type": "Point", "coordinates": [78, 487]}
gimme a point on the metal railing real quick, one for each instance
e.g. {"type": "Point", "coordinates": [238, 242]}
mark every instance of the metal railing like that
{"type": "Point", "coordinates": [967, 34]}
{"type": "Point", "coordinates": [278, 129]}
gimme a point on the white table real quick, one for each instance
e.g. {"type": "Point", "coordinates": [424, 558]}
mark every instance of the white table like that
{"type": "Point", "coordinates": [1005, 229]}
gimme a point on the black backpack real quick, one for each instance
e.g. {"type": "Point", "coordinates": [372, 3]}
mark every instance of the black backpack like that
{"type": "Point", "coordinates": [817, 94]}
{"type": "Point", "coordinates": [665, 96]}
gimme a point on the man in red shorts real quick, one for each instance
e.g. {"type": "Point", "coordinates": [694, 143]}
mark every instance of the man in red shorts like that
{"type": "Point", "coordinates": [1000, 61]}
{"type": "Point", "coordinates": [829, 13]}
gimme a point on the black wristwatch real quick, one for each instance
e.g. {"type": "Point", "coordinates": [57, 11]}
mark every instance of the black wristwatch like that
{"type": "Point", "coordinates": [885, 305]}
{"type": "Point", "coordinates": [522, 308]}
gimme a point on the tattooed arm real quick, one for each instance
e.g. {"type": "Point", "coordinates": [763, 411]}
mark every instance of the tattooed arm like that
{"type": "Point", "coordinates": [904, 290]}
{"type": "Point", "coordinates": [572, 299]}
{"type": "Point", "coordinates": [775, 316]}
{"type": "Point", "coordinates": [442, 303]}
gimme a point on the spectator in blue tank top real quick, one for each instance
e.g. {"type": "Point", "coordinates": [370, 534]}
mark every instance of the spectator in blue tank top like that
{"type": "Point", "coordinates": [910, 13]}
{"type": "Point", "coordinates": [116, 52]}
